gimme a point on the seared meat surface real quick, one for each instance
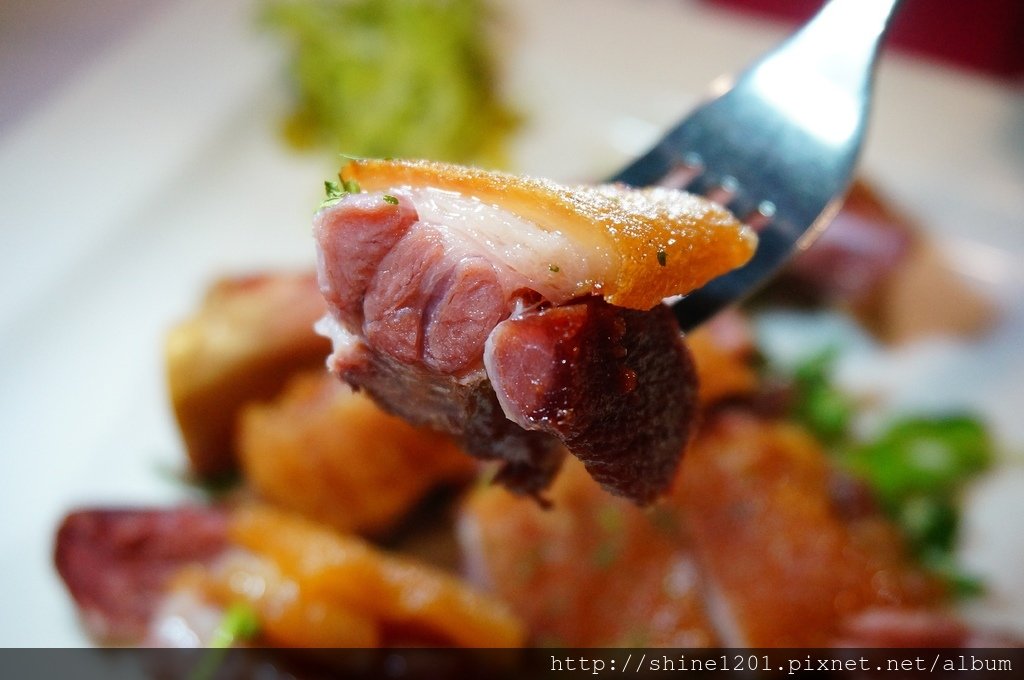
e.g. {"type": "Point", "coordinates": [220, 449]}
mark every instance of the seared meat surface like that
{"type": "Point", "coordinates": [482, 305]}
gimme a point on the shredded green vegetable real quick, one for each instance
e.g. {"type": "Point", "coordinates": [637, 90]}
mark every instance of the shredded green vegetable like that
{"type": "Point", "coordinates": [918, 466]}
{"type": "Point", "coordinates": [924, 456]}
{"type": "Point", "coordinates": [825, 410]}
{"type": "Point", "coordinates": [394, 78]}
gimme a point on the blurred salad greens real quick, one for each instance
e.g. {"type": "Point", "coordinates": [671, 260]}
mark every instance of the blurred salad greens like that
{"type": "Point", "coordinates": [394, 78]}
{"type": "Point", "coordinates": [918, 466]}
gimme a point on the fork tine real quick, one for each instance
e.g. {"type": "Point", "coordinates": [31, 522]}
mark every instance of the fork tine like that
{"type": "Point", "coordinates": [777, 152]}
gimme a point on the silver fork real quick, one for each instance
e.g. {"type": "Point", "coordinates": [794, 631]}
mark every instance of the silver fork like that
{"type": "Point", "coordinates": [779, 147]}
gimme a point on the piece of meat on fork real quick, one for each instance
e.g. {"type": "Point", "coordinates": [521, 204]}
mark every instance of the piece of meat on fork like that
{"type": "Point", "coordinates": [519, 314]}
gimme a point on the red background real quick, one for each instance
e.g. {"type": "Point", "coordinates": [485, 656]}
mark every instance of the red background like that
{"type": "Point", "coordinates": [982, 35]}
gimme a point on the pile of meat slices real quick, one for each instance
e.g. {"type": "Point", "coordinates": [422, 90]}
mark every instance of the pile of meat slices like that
{"type": "Point", "coordinates": [516, 355]}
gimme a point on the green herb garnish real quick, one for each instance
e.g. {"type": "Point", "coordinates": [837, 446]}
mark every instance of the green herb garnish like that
{"type": "Point", "coordinates": [332, 189]}
{"type": "Point", "coordinates": [239, 624]}
{"type": "Point", "coordinates": [554, 268]}
{"type": "Point", "coordinates": [638, 636]}
{"type": "Point", "coordinates": [817, 403]}
{"type": "Point", "coordinates": [213, 487]}
{"type": "Point", "coordinates": [335, 191]}
{"type": "Point", "coordinates": [388, 198]}
{"type": "Point", "coordinates": [612, 523]}
{"type": "Point", "coordinates": [662, 257]}
{"type": "Point", "coordinates": [960, 583]}
{"type": "Point", "coordinates": [917, 467]}
{"type": "Point", "coordinates": [931, 456]}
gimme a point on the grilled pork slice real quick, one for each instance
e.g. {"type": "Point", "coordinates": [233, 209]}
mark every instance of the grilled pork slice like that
{"type": "Point", "coordinates": [591, 571]}
{"type": "Point", "coordinates": [793, 549]}
{"type": "Point", "coordinates": [250, 335]}
{"type": "Point", "coordinates": [760, 544]}
{"type": "Point", "coordinates": [165, 577]}
{"type": "Point", "coordinates": [517, 313]}
{"type": "Point", "coordinates": [334, 456]}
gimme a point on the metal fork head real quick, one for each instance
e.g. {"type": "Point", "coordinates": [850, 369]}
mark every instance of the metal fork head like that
{"type": "Point", "coordinates": [779, 147]}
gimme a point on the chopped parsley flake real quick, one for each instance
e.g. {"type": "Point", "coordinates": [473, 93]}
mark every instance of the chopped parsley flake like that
{"type": "Point", "coordinates": [388, 198]}
{"type": "Point", "coordinates": [554, 268]}
{"type": "Point", "coordinates": [662, 257]}
{"type": "Point", "coordinates": [335, 191]}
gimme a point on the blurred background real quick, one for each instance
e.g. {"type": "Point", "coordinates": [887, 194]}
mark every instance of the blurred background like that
{"type": "Point", "coordinates": [984, 36]}
{"type": "Point", "coordinates": [147, 147]}
{"type": "Point", "coordinates": [45, 43]}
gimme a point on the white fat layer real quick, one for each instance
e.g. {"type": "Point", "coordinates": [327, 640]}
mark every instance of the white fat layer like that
{"type": "Point", "coordinates": [491, 369]}
{"type": "Point", "coordinates": [343, 342]}
{"type": "Point", "coordinates": [538, 257]}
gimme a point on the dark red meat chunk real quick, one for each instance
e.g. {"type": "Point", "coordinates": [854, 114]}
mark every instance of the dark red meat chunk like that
{"type": "Point", "coordinates": [615, 385]}
{"type": "Point", "coordinates": [116, 563]}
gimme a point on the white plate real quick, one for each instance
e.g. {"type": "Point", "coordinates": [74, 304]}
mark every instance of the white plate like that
{"type": "Point", "coordinates": [155, 168]}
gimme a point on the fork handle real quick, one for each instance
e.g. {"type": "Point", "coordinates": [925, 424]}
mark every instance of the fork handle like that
{"type": "Point", "coordinates": [842, 39]}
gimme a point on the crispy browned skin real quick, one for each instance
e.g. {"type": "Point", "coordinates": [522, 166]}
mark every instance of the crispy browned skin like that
{"type": "Point", "coordinates": [309, 586]}
{"type": "Point", "coordinates": [791, 552]}
{"type": "Point", "coordinates": [319, 588]}
{"type": "Point", "coordinates": [764, 542]}
{"type": "Point", "coordinates": [435, 301]}
{"type": "Point", "coordinates": [249, 336]}
{"type": "Point", "coordinates": [594, 570]}
{"type": "Point", "coordinates": [335, 456]}
{"type": "Point", "coordinates": [663, 242]}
